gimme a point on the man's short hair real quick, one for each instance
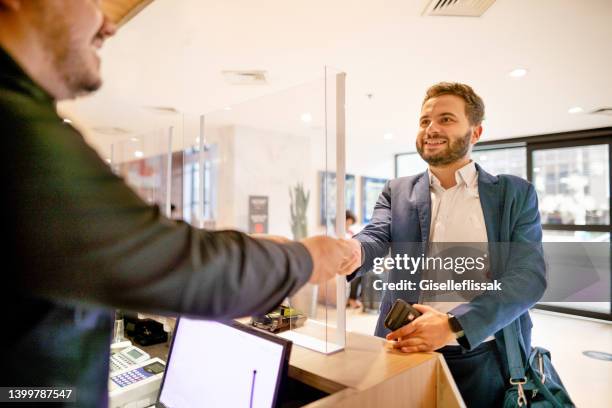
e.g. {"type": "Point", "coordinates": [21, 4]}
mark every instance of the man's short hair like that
{"type": "Point", "coordinates": [350, 216]}
{"type": "Point", "coordinates": [474, 106]}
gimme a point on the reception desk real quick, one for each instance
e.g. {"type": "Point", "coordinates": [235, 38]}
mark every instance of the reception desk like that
{"type": "Point", "coordinates": [365, 374]}
{"type": "Point", "coordinates": [368, 374]}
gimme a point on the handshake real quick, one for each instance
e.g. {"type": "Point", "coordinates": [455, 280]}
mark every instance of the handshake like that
{"type": "Point", "coordinates": [330, 256]}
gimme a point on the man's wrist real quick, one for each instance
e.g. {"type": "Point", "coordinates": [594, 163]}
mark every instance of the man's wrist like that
{"type": "Point", "coordinates": [358, 247]}
{"type": "Point", "coordinates": [362, 255]}
{"type": "Point", "coordinates": [455, 326]}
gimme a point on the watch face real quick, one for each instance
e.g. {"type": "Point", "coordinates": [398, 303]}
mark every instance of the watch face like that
{"type": "Point", "coordinates": [454, 324]}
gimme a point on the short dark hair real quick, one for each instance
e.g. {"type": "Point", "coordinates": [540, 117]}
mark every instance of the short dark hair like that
{"type": "Point", "coordinates": [474, 106]}
{"type": "Point", "coordinates": [350, 216]}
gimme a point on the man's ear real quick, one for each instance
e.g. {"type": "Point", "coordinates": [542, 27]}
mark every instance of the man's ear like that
{"type": "Point", "coordinates": [476, 134]}
{"type": "Point", "coordinates": [13, 5]}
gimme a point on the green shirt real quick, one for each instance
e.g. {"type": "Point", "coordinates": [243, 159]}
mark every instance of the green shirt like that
{"type": "Point", "coordinates": [82, 243]}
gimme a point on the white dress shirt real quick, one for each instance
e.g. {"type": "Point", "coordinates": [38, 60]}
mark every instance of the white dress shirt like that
{"type": "Point", "coordinates": [456, 213]}
{"type": "Point", "coordinates": [456, 216]}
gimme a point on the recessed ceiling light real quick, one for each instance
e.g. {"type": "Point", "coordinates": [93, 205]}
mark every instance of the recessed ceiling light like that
{"type": "Point", "coordinates": [574, 109]}
{"type": "Point", "coordinates": [138, 154]}
{"type": "Point", "coordinates": [306, 117]}
{"type": "Point", "coordinates": [111, 130]}
{"type": "Point", "coordinates": [164, 110]}
{"type": "Point", "coordinates": [66, 120]}
{"type": "Point", "coordinates": [134, 139]}
{"type": "Point", "coordinates": [249, 77]}
{"type": "Point", "coordinates": [228, 108]}
{"type": "Point", "coordinates": [518, 73]}
{"type": "Point", "coordinates": [388, 136]}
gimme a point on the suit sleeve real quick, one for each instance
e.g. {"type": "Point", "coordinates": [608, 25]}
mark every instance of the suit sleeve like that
{"type": "Point", "coordinates": [375, 238]}
{"type": "Point", "coordinates": [83, 235]}
{"type": "Point", "coordinates": [522, 277]}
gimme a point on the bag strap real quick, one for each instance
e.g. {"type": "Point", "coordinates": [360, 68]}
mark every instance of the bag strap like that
{"type": "Point", "coordinates": [515, 361]}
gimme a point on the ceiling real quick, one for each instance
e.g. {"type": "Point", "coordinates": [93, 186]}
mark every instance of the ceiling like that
{"type": "Point", "coordinates": [172, 55]}
{"type": "Point", "coordinates": [120, 11]}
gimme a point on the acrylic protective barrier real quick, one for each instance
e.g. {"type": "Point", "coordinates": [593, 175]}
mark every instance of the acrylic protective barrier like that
{"type": "Point", "coordinates": [270, 166]}
{"type": "Point", "coordinates": [148, 163]}
{"type": "Point", "coordinates": [264, 166]}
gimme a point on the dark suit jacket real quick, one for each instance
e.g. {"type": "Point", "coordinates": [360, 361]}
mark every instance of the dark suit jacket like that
{"type": "Point", "coordinates": [401, 223]}
{"type": "Point", "coordinates": [80, 241]}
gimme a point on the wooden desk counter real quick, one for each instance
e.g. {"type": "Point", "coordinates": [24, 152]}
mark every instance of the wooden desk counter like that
{"type": "Point", "coordinates": [367, 374]}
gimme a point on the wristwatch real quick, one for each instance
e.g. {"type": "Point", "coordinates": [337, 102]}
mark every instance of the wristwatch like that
{"type": "Point", "coordinates": [455, 326]}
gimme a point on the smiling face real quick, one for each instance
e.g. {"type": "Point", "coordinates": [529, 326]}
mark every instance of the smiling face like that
{"type": "Point", "coordinates": [445, 134]}
{"type": "Point", "coordinates": [72, 31]}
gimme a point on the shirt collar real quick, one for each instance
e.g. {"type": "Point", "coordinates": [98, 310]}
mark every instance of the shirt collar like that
{"type": "Point", "coordinates": [466, 175]}
{"type": "Point", "coordinates": [12, 76]}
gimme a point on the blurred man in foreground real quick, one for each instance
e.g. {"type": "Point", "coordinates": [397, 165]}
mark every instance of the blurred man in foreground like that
{"type": "Point", "coordinates": [83, 242]}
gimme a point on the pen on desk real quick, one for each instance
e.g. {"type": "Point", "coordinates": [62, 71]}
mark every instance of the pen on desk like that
{"type": "Point", "coordinates": [252, 388]}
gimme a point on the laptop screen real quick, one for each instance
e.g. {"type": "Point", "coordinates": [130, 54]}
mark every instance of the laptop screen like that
{"type": "Point", "coordinates": [213, 364]}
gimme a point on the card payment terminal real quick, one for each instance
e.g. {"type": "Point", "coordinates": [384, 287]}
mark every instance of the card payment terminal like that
{"type": "Point", "coordinates": [136, 385]}
{"type": "Point", "coordinates": [126, 358]}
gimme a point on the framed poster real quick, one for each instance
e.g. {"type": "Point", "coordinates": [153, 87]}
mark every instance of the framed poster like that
{"type": "Point", "coordinates": [327, 195]}
{"type": "Point", "coordinates": [258, 214]}
{"type": "Point", "coordinates": [370, 190]}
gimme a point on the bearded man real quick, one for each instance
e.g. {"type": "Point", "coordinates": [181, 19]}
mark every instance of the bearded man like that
{"type": "Point", "coordinates": [456, 201]}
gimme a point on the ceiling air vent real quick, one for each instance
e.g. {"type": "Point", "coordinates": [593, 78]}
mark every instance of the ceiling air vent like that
{"type": "Point", "coordinates": [460, 8]}
{"type": "Point", "coordinates": [254, 77]}
{"type": "Point", "coordinates": [602, 111]}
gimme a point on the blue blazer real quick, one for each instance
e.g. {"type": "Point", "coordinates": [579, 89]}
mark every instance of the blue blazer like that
{"type": "Point", "coordinates": [510, 207]}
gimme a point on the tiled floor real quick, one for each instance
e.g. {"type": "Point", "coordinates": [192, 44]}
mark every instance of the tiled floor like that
{"type": "Point", "coordinates": [588, 381]}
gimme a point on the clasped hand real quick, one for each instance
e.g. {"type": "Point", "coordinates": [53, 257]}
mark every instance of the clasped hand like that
{"type": "Point", "coordinates": [329, 255]}
{"type": "Point", "coordinates": [428, 332]}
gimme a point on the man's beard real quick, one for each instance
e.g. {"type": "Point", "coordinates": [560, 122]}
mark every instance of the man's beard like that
{"type": "Point", "coordinates": [77, 72]}
{"type": "Point", "coordinates": [455, 150]}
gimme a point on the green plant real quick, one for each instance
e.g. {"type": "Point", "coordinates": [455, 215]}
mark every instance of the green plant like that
{"type": "Point", "coordinates": [299, 205]}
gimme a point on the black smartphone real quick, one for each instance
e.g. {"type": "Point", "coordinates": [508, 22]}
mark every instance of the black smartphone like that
{"type": "Point", "coordinates": [401, 314]}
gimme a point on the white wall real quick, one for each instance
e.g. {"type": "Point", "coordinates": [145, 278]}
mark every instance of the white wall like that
{"type": "Point", "coordinates": [260, 162]}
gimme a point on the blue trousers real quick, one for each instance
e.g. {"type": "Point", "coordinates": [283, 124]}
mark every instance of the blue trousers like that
{"type": "Point", "coordinates": [479, 374]}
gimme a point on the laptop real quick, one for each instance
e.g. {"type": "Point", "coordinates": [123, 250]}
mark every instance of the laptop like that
{"type": "Point", "coordinates": [213, 364]}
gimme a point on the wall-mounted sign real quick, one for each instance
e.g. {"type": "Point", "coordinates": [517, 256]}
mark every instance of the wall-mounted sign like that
{"type": "Point", "coordinates": [258, 214]}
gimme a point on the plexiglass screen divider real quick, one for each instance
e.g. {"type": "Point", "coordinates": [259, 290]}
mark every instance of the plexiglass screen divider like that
{"type": "Point", "coordinates": [148, 163]}
{"type": "Point", "coordinates": [273, 165]}
{"type": "Point", "coordinates": [270, 166]}
{"type": "Point", "coordinates": [152, 164]}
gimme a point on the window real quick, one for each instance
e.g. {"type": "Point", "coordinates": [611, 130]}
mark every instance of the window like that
{"type": "Point", "coordinates": [498, 160]}
{"type": "Point", "coordinates": [573, 185]}
{"type": "Point", "coordinates": [192, 182]}
{"type": "Point", "coordinates": [409, 164]}
{"type": "Point", "coordinates": [505, 160]}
